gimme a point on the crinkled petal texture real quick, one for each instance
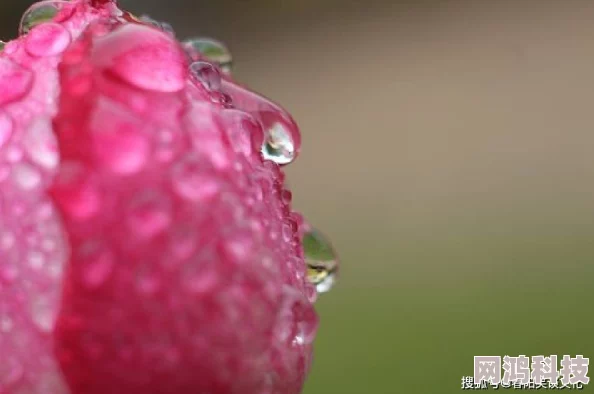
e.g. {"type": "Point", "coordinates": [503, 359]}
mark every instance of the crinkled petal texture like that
{"type": "Point", "coordinates": [145, 246]}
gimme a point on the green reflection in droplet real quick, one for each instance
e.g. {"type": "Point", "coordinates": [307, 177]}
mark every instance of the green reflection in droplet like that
{"type": "Point", "coordinates": [39, 13]}
{"type": "Point", "coordinates": [322, 260]}
{"type": "Point", "coordinates": [213, 50]}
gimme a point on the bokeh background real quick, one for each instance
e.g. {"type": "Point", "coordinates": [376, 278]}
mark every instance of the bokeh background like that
{"type": "Point", "coordinates": [448, 150]}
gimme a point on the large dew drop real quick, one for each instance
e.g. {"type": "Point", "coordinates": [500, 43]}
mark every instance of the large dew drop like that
{"type": "Point", "coordinates": [39, 13]}
{"type": "Point", "coordinates": [212, 50]}
{"type": "Point", "coordinates": [278, 146]}
{"type": "Point", "coordinates": [282, 139]}
{"type": "Point", "coordinates": [142, 57]}
{"type": "Point", "coordinates": [322, 260]}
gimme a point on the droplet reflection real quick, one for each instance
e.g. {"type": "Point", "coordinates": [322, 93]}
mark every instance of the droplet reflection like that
{"type": "Point", "coordinates": [212, 50]}
{"type": "Point", "coordinates": [322, 260]}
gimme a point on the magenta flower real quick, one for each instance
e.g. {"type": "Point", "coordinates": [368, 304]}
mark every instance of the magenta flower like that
{"type": "Point", "coordinates": [147, 242]}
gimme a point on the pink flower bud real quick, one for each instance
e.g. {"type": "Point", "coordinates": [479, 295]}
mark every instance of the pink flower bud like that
{"type": "Point", "coordinates": [147, 242]}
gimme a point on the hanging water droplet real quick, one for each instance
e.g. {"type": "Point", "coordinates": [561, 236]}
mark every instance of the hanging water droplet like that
{"type": "Point", "coordinates": [278, 146]}
{"type": "Point", "coordinates": [282, 137]}
{"type": "Point", "coordinates": [212, 50]}
{"type": "Point", "coordinates": [322, 260]}
{"type": "Point", "coordinates": [207, 74]}
{"type": "Point", "coordinates": [39, 13]}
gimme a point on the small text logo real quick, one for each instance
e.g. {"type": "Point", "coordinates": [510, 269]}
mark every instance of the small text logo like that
{"type": "Point", "coordinates": [542, 372]}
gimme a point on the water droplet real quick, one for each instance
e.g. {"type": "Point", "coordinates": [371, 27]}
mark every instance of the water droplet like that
{"type": "Point", "coordinates": [11, 47]}
{"type": "Point", "coordinates": [288, 232]}
{"type": "Point", "coordinates": [166, 145]}
{"type": "Point", "coordinates": [207, 74]}
{"type": "Point", "coordinates": [193, 180]}
{"type": "Point", "coordinates": [13, 154]}
{"type": "Point", "coordinates": [148, 281]}
{"type": "Point", "coordinates": [143, 57]}
{"type": "Point", "coordinates": [200, 276]}
{"type": "Point", "coordinates": [96, 264]}
{"type": "Point", "coordinates": [42, 313]}
{"type": "Point", "coordinates": [11, 372]}
{"type": "Point", "coordinates": [39, 13]}
{"type": "Point", "coordinates": [40, 143]}
{"type": "Point", "coordinates": [212, 50]}
{"type": "Point", "coordinates": [240, 246]}
{"type": "Point", "coordinates": [322, 260]}
{"type": "Point", "coordinates": [279, 146]}
{"type": "Point", "coordinates": [48, 245]}
{"type": "Point", "coordinates": [282, 136]}
{"type": "Point", "coordinates": [6, 126]}
{"type": "Point", "coordinates": [47, 39]}
{"type": "Point", "coordinates": [311, 293]}
{"type": "Point", "coordinates": [26, 176]}
{"type": "Point", "coordinates": [7, 240]}
{"type": "Point", "coordinates": [244, 131]}
{"type": "Point", "coordinates": [149, 215]}
{"type": "Point", "coordinates": [16, 81]}
{"type": "Point", "coordinates": [45, 211]}
{"type": "Point", "coordinates": [76, 192]}
{"type": "Point", "coordinates": [297, 320]}
{"type": "Point", "coordinates": [9, 273]}
{"type": "Point", "coordinates": [124, 152]}
{"type": "Point", "coordinates": [36, 260]}
{"type": "Point", "coordinates": [5, 324]}
{"type": "Point", "coordinates": [183, 242]}
{"type": "Point", "coordinates": [286, 196]}
{"type": "Point", "coordinates": [205, 131]}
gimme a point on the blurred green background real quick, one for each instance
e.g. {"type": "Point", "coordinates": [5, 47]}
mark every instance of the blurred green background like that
{"type": "Point", "coordinates": [448, 152]}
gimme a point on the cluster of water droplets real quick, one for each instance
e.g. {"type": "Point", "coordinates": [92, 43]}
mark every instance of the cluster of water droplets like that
{"type": "Point", "coordinates": [32, 245]}
{"type": "Point", "coordinates": [212, 58]}
{"type": "Point", "coordinates": [42, 12]}
{"type": "Point", "coordinates": [30, 161]}
{"type": "Point", "coordinates": [211, 67]}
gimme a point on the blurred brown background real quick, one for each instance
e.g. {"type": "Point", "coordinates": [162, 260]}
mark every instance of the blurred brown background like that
{"type": "Point", "coordinates": [448, 150]}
